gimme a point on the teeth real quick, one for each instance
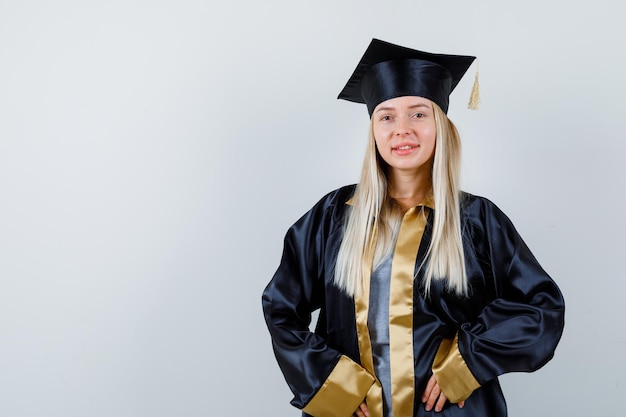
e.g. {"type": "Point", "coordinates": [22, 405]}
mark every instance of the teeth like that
{"type": "Point", "coordinates": [405, 148]}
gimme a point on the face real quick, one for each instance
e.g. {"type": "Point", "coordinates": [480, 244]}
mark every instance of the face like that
{"type": "Point", "coordinates": [405, 131]}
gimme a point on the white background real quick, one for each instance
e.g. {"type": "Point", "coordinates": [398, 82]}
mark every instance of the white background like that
{"type": "Point", "coordinates": [153, 154]}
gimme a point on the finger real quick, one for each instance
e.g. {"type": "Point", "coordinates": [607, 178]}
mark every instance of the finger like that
{"type": "Point", "coordinates": [441, 402]}
{"type": "Point", "coordinates": [432, 382]}
{"type": "Point", "coordinates": [433, 397]}
{"type": "Point", "coordinates": [461, 404]}
{"type": "Point", "coordinates": [364, 409]}
{"type": "Point", "coordinates": [361, 411]}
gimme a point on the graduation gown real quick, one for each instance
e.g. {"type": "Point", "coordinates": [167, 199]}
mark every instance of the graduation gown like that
{"type": "Point", "coordinates": [511, 320]}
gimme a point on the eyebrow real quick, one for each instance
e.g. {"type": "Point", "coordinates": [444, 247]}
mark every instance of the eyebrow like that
{"type": "Point", "coordinates": [414, 106]}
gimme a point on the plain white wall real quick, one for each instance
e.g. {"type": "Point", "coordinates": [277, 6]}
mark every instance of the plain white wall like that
{"type": "Point", "coordinates": [153, 153]}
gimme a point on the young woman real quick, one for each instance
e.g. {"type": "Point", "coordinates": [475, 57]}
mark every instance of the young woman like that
{"type": "Point", "coordinates": [426, 294]}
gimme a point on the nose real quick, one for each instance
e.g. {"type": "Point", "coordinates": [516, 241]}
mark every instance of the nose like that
{"type": "Point", "coordinates": [402, 126]}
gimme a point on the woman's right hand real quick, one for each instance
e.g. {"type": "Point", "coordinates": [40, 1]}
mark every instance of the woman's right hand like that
{"type": "Point", "coordinates": [361, 411]}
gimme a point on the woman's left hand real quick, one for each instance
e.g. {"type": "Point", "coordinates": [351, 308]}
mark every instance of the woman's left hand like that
{"type": "Point", "coordinates": [361, 411]}
{"type": "Point", "coordinates": [434, 396]}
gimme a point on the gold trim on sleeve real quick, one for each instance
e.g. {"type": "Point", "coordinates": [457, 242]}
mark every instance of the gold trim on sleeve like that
{"type": "Point", "coordinates": [451, 372]}
{"type": "Point", "coordinates": [343, 391]}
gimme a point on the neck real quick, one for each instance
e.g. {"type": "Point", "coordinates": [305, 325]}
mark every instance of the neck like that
{"type": "Point", "coordinates": [409, 189]}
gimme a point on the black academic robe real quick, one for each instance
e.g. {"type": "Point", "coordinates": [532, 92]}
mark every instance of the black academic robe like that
{"type": "Point", "coordinates": [511, 320]}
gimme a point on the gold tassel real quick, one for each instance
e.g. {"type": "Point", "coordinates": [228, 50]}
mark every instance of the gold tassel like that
{"type": "Point", "coordinates": [474, 100]}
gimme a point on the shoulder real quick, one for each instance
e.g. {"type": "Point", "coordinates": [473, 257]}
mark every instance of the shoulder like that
{"type": "Point", "coordinates": [335, 200]}
{"type": "Point", "coordinates": [342, 193]}
{"type": "Point", "coordinates": [482, 212]}
{"type": "Point", "coordinates": [472, 205]}
{"type": "Point", "coordinates": [483, 216]}
{"type": "Point", "coordinates": [330, 208]}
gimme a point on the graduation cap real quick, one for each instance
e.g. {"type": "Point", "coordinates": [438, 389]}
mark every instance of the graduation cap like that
{"type": "Point", "coordinates": [387, 71]}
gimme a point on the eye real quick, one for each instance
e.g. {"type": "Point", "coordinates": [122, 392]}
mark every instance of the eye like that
{"type": "Point", "coordinates": [385, 118]}
{"type": "Point", "coordinates": [418, 115]}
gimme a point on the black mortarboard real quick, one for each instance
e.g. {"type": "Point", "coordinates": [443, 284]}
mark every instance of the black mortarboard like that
{"type": "Point", "coordinates": [387, 71]}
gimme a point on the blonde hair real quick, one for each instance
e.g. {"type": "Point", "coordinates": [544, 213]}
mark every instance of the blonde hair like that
{"type": "Point", "coordinates": [372, 225]}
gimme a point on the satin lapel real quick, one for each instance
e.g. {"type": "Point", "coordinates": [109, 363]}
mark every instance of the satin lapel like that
{"type": "Point", "coordinates": [374, 397]}
{"type": "Point", "coordinates": [401, 312]}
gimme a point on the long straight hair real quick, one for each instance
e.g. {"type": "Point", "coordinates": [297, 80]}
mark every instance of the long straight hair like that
{"type": "Point", "coordinates": [372, 225]}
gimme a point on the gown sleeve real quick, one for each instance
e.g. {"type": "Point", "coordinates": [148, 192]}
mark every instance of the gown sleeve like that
{"type": "Point", "coordinates": [518, 330]}
{"type": "Point", "coordinates": [325, 383]}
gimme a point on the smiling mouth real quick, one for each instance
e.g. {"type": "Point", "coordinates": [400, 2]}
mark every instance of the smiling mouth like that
{"type": "Point", "coordinates": [405, 147]}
